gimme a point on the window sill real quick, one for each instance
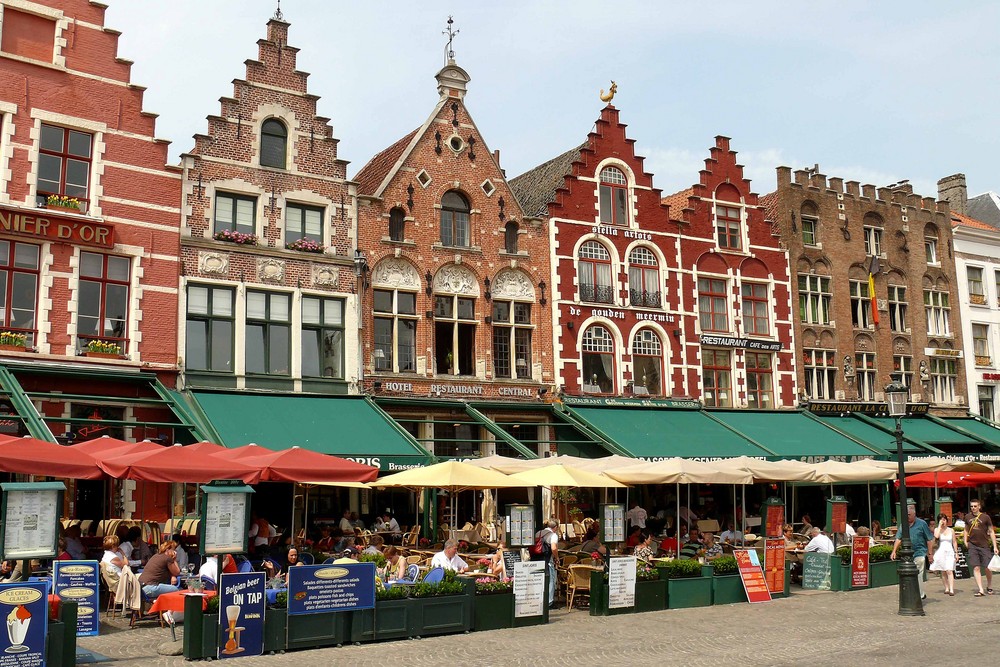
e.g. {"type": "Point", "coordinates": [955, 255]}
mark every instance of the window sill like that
{"type": "Point", "coordinates": [265, 251]}
{"type": "Point", "coordinates": [457, 248]}
{"type": "Point", "coordinates": [519, 254]}
{"type": "Point", "coordinates": [41, 210]}
{"type": "Point", "coordinates": [405, 242]}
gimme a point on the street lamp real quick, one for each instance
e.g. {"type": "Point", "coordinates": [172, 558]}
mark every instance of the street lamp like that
{"type": "Point", "coordinates": [896, 394]}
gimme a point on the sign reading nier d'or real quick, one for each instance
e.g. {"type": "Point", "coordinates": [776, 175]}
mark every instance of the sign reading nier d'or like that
{"type": "Point", "coordinates": [67, 229]}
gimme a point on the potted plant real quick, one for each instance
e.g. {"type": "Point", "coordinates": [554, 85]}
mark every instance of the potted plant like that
{"type": "Point", "coordinates": [276, 624]}
{"type": "Point", "coordinates": [441, 608]}
{"type": "Point", "coordinates": [882, 569]}
{"type": "Point", "coordinates": [650, 590]}
{"type": "Point", "coordinates": [305, 245]}
{"type": "Point", "coordinates": [103, 349]}
{"type": "Point", "coordinates": [13, 341]}
{"type": "Point", "coordinates": [493, 606]}
{"type": "Point", "coordinates": [727, 586]}
{"type": "Point", "coordinates": [62, 203]}
{"type": "Point", "coordinates": [686, 587]}
{"type": "Point", "coordinates": [240, 238]}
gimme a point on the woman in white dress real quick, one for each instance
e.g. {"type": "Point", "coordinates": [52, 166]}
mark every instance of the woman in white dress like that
{"type": "Point", "coordinates": [944, 556]}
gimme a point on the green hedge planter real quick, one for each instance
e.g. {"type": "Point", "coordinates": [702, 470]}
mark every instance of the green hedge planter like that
{"type": "Point", "coordinates": [493, 612]}
{"type": "Point", "coordinates": [61, 650]}
{"type": "Point", "coordinates": [275, 630]}
{"type": "Point", "coordinates": [650, 595]}
{"type": "Point", "coordinates": [728, 589]}
{"type": "Point", "coordinates": [689, 592]}
{"type": "Point", "coordinates": [389, 620]}
{"type": "Point", "coordinates": [315, 630]}
{"type": "Point", "coordinates": [884, 574]}
{"type": "Point", "coordinates": [442, 615]}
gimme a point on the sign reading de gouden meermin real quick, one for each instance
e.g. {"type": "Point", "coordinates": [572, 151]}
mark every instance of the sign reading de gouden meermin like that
{"type": "Point", "coordinates": [24, 608]}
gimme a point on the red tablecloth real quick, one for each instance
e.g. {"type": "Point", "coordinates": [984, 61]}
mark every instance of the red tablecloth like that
{"type": "Point", "coordinates": [175, 601]}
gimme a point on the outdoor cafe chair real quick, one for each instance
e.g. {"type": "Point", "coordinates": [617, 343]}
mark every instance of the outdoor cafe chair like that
{"type": "Point", "coordinates": [568, 559]}
{"type": "Point", "coordinates": [586, 560]}
{"type": "Point", "coordinates": [112, 587]}
{"type": "Point", "coordinates": [412, 572]}
{"type": "Point", "coordinates": [435, 576]}
{"type": "Point", "coordinates": [245, 566]}
{"type": "Point", "coordinates": [413, 560]}
{"type": "Point", "coordinates": [306, 558]}
{"type": "Point", "coordinates": [208, 583]}
{"type": "Point", "coordinates": [329, 560]}
{"type": "Point", "coordinates": [579, 582]}
{"type": "Point", "coordinates": [483, 550]}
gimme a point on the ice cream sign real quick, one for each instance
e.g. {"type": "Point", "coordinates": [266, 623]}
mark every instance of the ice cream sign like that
{"type": "Point", "coordinates": [24, 608]}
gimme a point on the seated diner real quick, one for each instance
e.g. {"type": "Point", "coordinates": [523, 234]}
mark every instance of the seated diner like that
{"type": "Point", "coordinates": [448, 558]}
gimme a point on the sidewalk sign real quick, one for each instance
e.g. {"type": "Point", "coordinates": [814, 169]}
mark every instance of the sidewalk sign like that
{"type": "Point", "coordinates": [859, 562]}
{"type": "Point", "coordinates": [774, 564]}
{"type": "Point", "coordinates": [241, 614]}
{"type": "Point", "coordinates": [621, 582]}
{"type": "Point", "coordinates": [77, 580]}
{"type": "Point", "coordinates": [752, 576]}
{"type": "Point", "coordinates": [530, 596]}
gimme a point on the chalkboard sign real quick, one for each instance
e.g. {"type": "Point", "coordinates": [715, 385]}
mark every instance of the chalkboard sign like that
{"type": "Point", "coordinates": [816, 571]}
{"type": "Point", "coordinates": [961, 564]}
{"type": "Point", "coordinates": [510, 557]}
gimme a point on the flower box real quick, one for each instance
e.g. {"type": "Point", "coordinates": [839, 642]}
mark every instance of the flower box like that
{"type": "Point", "coordinates": [235, 237]}
{"type": "Point", "coordinates": [102, 355]}
{"type": "Point", "coordinates": [275, 630]}
{"type": "Point", "coordinates": [305, 245]}
{"type": "Point", "coordinates": [683, 593]}
{"type": "Point", "coordinates": [728, 589]}
{"type": "Point", "coordinates": [440, 615]}
{"type": "Point", "coordinates": [493, 612]}
{"type": "Point", "coordinates": [390, 619]}
{"type": "Point", "coordinates": [12, 348]}
{"type": "Point", "coordinates": [650, 595]}
{"type": "Point", "coordinates": [314, 630]}
{"type": "Point", "coordinates": [882, 574]}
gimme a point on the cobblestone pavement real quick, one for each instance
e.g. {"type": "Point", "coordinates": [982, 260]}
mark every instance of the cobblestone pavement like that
{"type": "Point", "coordinates": [810, 628]}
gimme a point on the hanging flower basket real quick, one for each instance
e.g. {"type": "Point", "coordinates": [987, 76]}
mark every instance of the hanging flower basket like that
{"type": "Point", "coordinates": [236, 237]}
{"type": "Point", "coordinates": [103, 349]}
{"type": "Point", "coordinates": [305, 245]}
{"type": "Point", "coordinates": [11, 341]}
{"type": "Point", "coordinates": [62, 203]}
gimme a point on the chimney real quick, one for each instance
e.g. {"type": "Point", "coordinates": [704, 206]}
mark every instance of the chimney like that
{"type": "Point", "coordinates": [952, 190]}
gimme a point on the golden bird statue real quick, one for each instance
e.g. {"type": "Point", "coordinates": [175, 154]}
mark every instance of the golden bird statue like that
{"type": "Point", "coordinates": [610, 95]}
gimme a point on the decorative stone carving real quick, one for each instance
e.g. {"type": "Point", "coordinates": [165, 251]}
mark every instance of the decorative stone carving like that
{"type": "Point", "coordinates": [270, 270]}
{"type": "Point", "coordinates": [454, 279]}
{"type": "Point", "coordinates": [213, 263]}
{"type": "Point", "coordinates": [395, 272]}
{"type": "Point", "coordinates": [325, 275]}
{"type": "Point", "coordinates": [513, 285]}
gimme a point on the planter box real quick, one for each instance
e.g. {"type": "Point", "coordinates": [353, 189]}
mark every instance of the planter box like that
{"type": "Point", "coordinates": [883, 573]}
{"type": "Point", "coordinates": [102, 355]}
{"type": "Point", "coordinates": [208, 644]}
{"type": "Point", "coordinates": [13, 348]}
{"type": "Point", "coordinates": [389, 620]}
{"type": "Point", "coordinates": [63, 209]}
{"type": "Point", "coordinates": [728, 589]}
{"type": "Point", "coordinates": [840, 574]}
{"type": "Point", "coordinates": [650, 595]}
{"type": "Point", "coordinates": [443, 615]}
{"type": "Point", "coordinates": [314, 630]}
{"type": "Point", "coordinates": [275, 630]}
{"type": "Point", "coordinates": [493, 612]}
{"type": "Point", "coordinates": [60, 643]}
{"type": "Point", "coordinates": [689, 592]}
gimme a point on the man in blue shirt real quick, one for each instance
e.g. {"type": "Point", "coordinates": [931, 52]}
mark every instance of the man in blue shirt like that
{"type": "Point", "coordinates": [923, 543]}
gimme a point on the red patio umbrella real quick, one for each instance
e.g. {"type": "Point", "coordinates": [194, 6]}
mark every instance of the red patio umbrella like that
{"type": "Point", "coordinates": [954, 480]}
{"type": "Point", "coordinates": [977, 478]}
{"type": "Point", "coordinates": [108, 447]}
{"type": "Point", "coordinates": [178, 464]}
{"type": "Point", "coordinates": [206, 447]}
{"type": "Point", "coordinates": [31, 456]}
{"type": "Point", "coordinates": [300, 465]}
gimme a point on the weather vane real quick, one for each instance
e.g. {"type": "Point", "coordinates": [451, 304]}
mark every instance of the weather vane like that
{"type": "Point", "coordinates": [610, 95]}
{"type": "Point", "coordinates": [451, 37]}
{"type": "Point", "coordinates": [278, 16]}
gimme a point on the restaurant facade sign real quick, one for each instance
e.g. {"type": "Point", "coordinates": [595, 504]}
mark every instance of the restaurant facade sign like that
{"type": "Point", "coordinates": [41, 224]}
{"type": "Point", "coordinates": [873, 409]}
{"type": "Point", "coordinates": [714, 340]}
{"type": "Point", "coordinates": [583, 401]}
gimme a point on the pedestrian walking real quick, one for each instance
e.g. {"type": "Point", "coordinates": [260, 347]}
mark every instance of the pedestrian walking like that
{"type": "Point", "coordinates": [979, 535]}
{"type": "Point", "coordinates": [944, 556]}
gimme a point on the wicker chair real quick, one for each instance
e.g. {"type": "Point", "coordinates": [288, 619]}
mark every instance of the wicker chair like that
{"type": "Point", "coordinates": [578, 583]}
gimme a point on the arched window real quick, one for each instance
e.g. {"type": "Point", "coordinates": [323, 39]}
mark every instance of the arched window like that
{"type": "Point", "coordinates": [594, 273]}
{"type": "Point", "coordinates": [643, 278]}
{"type": "Point", "coordinates": [874, 229]}
{"type": "Point", "coordinates": [510, 237]}
{"type": "Point", "coordinates": [397, 224]}
{"type": "Point", "coordinates": [273, 143]}
{"type": "Point", "coordinates": [614, 197]}
{"type": "Point", "coordinates": [454, 220]}
{"type": "Point", "coordinates": [598, 361]}
{"type": "Point", "coordinates": [647, 363]}
{"type": "Point", "coordinates": [728, 217]}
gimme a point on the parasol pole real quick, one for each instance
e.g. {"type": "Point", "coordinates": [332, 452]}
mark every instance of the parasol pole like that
{"type": "Point", "coordinates": [677, 526]}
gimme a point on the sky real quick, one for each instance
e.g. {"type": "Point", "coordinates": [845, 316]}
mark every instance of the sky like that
{"type": "Point", "coordinates": [873, 92]}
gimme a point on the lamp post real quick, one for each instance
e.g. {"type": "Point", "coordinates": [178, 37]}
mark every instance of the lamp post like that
{"type": "Point", "coordinates": [896, 394]}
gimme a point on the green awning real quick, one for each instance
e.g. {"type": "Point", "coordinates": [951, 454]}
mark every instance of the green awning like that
{"type": "Point", "coordinates": [977, 428]}
{"type": "Point", "coordinates": [652, 433]}
{"type": "Point", "coordinates": [347, 426]}
{"type": "Point", "coordinates": [934, 434]}
{"type": "Point", "coordinates": [870, 434]}
{"type": "Point", "coordinates": [794, 435]}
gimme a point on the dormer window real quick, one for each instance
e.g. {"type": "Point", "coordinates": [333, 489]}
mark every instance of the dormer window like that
{"type": "Point", "coordinates": [614, 197]}
{"type": "Point", "coordinates": [273, 143]}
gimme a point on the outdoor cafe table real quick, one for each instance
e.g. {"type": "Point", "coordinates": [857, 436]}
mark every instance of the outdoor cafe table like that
{"type": "Point", "coordinates": [175, 601]}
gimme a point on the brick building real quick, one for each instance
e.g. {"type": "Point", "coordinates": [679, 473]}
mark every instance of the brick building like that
{"type": "Point", "coordinates": [89, 292]}
{"type": "Point", "coordinates": [268, 239]}
{"type": "Point", "coordinates": [455, 301]}
{"type": "Point", "coordinates": [836, 232]}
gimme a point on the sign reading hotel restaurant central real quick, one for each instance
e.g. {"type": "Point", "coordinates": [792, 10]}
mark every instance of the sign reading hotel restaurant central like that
{"type": "Point", "coordinates": [738, 341]}
{"type": "Point", "coordinates": [68, 229]}
{"type": "Point", "coordinates": [840, 407]}
{"type": "Point", "coordinates": [461, 389]}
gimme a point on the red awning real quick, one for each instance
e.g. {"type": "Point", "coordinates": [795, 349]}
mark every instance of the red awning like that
{"type": "Point", "coordinates": [954, 480]}
{"type": "Point", "coordinates": [108, 447]}
{"type": "Point", "coordinates": [978, 478]}
{"type": "Point", "coordinates": [206, 447]}
{"type": "Point", "coordinates": [178, 464]}
{"type": "Point", "coordinates": [300, 465]}
{"type": "Point", "coordinates": [31, 456]}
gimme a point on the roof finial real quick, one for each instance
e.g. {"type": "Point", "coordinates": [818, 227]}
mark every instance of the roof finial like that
{"type": "Point", "coordinates": [450, 53]}
{"type": "Point", "coordinates": [278, 16]}
{"type": "Point", "coordinates": [610, 95]}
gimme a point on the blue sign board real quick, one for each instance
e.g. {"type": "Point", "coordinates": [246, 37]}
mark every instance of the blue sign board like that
{"type": "Point", "coordinates": [241, 614]}
{"type": "Point", "coordinates": [25, 611]}
{"type": "Point", "coordinates": [76, 580]}
{"type": "Point", "coordinates": [315, 589]}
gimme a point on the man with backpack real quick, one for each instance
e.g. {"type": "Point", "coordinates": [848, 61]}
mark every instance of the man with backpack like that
{"type": "Point", "coordinates": [546, 548]}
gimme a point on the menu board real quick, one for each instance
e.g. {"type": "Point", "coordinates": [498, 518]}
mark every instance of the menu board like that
{"type": "Point", "coordinates": [752, 576]}
{"type": "Point", "coordinates": [529, 589]}
{"type": "Point", "coordinates": [816, 571]}
{"type": "Point", "coordinates": [25, 609]}
{"type": "Point", "coordinates": [225, 523]}
{"type": "Point", "coordinates": [316, 589]}
{"type": "Point", "coordinates": [31, 515]}
{"type": "Point", "coordinates": [77, 580]}
{"type": "Point", "coordinates": [943, 505]}
{"type": "Point", "coordinates": [774, 564]}
{"type": "Point", "coordinates": [859, 561]}
{"type": "Point", "coordinates": [621, 582]}
{"type": "Point", "coordinates": [520, 526]}
{"type": "Point", "coordinates": [511, 557]}
{"type": "Point", "coordinates": [836, 515]}
{"type": "Point", "coordinates": [774, 519]}
{"type": "Point", "coordinates": [613, 522]}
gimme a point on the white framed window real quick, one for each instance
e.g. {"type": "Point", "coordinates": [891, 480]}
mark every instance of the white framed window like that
{"type": "Point", "coordinates": [814, 299]}
{"type": "Point", "coordinates": [643, 278]}
{"type": "Point", "coordinates": [861, 305]}
{"type": "Point", "coordinates": [268, 333]}
{"type": "Point", "coordinates": [756, 309]}
{"type": "Point", "coordinates": [717, 376]}
{"type": "Point", "coordinates": [613, 197]}
{"type": "Point", "coordinates": [985, 393]}
{"type": "Point", "coordinates": [981, 344]}
{"type": "Point", "coordinates": [977, 288]}
{"type": "Point", "coordinates": [647, 363]}
{"type": "Point", "coordinates": [455, 334]}
{"type": "Point", "coordinates": [594, 273]}
{"type": "Point", "coordinates": [598, 360]}
{"type": "Point", "coordinates": [820, 373]}
{"type": "Point", "coordinates": [903, 363]}
{"type": "Point", "coordinates": [873, 240]}
{"type": "Point", "coordinates": [511, 339]}
{"type": "Point", "coordinates": [938, 311]}
{"type": "Point", "coordinates": [760, 381]}
{"type": "Point", "coordinates": [897, 308]}
{"type": "Point", "coordinates": [944, 379]}
{"type": "Point", "coordinates": [713, 304]}
{"type": "Point", "coordinates": [931, 250]}
{"type": "Point", "coordinates": [865, 375]}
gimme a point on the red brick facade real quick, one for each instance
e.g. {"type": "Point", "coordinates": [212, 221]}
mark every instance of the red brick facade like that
{"type": "Point", "coordinates": [458, 273]}
{"type": "Point", "coordinates": [831, 229]}
{"type": "Point", "coordinates": [242, 175]}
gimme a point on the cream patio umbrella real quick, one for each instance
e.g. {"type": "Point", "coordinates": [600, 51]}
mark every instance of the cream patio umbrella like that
{"type": "Point", "coordinates": [559, 474]}
{"type": "Point", "coordinates": [768, 471]}
{"type": "Point", "coordinates": [678, 471]}
{"type": "Point", "coordinates": [832, 472]}
{"type": "Point", "coordinates": [933, 464]}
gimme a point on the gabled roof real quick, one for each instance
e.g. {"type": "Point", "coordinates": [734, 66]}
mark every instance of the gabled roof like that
{"type": "Point", "coordinates": [372, 174]}
{"type": "Point", "coordinates": [985, 208]}
{"type": "Point", "coordinates": [536, 188]}
{"type": "Point", "coordinates": [677, 203]}
{"type": "Point", "coordinates": [959, 220]}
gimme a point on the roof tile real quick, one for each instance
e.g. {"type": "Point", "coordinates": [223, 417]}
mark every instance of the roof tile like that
{"type": "Point", "coordinates": [373, 173]}
{"type": "Point", "coordinates": [536, 188]}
